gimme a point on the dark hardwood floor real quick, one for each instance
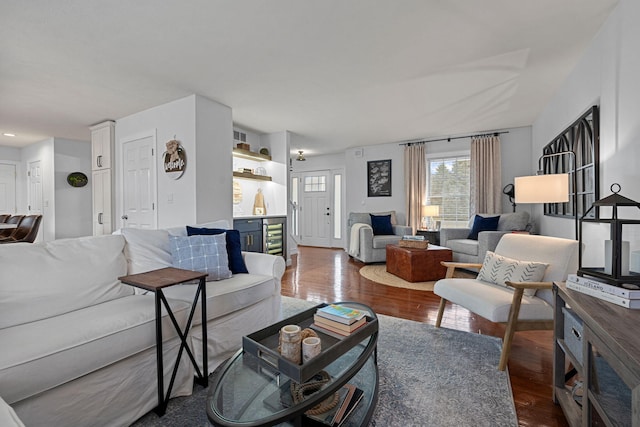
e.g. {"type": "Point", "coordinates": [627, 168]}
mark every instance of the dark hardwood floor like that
{"type": "Point", "coordinates": [324, 275]}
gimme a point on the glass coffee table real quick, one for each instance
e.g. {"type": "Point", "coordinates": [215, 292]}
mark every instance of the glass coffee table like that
{"type": "Point", "coordinates": [252, 391]}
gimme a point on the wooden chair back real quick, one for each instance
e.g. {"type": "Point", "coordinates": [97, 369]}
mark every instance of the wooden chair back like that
{"type": "Point", "coordinates": [27, 229]}
{"type": "Point", "coordinates": [13, 219]}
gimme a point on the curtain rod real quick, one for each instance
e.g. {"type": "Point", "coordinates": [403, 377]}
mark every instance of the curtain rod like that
{"type": "Point", "coordinates": [454, 137]}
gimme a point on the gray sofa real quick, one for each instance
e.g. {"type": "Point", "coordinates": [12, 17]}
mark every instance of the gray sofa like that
{"type": "Point", "coordinates": [468, 250]}
{"type": "Point", "coordinates": [370, 248]}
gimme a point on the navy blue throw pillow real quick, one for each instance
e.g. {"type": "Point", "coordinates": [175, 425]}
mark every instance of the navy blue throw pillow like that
{"type": "Point", "coordinates": [480, 223]}
{"type": "Point", "coordinates": [381, 225]}
{"type": "Point", "coordinates": [234, 251]}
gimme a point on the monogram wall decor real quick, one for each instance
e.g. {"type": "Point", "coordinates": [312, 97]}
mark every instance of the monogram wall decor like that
{"type": "Point", "coordinates": [175, 159]}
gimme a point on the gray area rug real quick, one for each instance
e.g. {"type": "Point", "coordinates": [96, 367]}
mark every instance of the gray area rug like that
{"type": "Point", "coordinates": [428, 377]}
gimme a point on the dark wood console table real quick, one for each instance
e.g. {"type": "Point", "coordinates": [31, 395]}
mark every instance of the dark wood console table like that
{"type": "Point", "coordinates": [601, 341]}
{"type": "Point", "coordinates": [155, 281]}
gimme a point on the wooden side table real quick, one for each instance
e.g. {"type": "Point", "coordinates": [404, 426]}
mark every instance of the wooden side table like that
{"type": "Point", "coordinates": [433, 236]}
{"type": "Point", "coordinates": [155, 281]}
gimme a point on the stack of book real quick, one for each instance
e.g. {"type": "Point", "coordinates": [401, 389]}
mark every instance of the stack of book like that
{"type": "Point", "coordinates": [408, 241]}
{"type": "Point", "coordinates": [338, 319]}
{"type": "Point", "coordinates": [620, 295]}
{"type": "Point", "coordinates": [418, 238]}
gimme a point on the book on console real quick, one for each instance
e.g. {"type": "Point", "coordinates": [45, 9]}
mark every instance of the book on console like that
{"type": "Point", "coordinates": [615, 299]}
{"type": "Point", "coordinates": [590, 282]}
{"type": "Point", "coordinates": [340, 313]}
{"type": "Point", "coordinates": [349, 397]}
{"type": "Point", "coordinates": [327, 418]}
{"type": "Point", "coordinates": [351, 405]}
{"type": "Point", "coordinates": [323, 321]}
{"type": "Point", "coordinates": [418, 238]}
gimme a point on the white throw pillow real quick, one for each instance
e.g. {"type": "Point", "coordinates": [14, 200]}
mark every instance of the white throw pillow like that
{"type": "Point", "coordinates": [499, 269]}
{"type": "Point", "coordinates": [146, 250]}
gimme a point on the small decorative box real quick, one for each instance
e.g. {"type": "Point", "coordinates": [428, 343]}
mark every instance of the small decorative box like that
{"type": "Point", "coordinates": [243, 146]}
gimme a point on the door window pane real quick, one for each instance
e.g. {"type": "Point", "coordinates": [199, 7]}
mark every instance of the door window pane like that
{"type": "Point", "coordinates": [337, 206]}
{"type": "Point", "coordinates": [314, 184]}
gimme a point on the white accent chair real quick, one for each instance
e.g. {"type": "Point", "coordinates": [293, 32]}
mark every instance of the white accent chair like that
{"type": "Point", "coordinates": [510, 305]}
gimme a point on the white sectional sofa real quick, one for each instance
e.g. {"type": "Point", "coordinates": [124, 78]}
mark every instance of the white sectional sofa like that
{"type": "Point", "coordinates": [78, 346]}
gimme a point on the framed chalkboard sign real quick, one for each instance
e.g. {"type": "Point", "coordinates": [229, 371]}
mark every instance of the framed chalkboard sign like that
{"type": "Point", "coordinates": [379, 178]}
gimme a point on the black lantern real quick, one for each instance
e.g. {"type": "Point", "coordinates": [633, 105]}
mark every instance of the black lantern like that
{"type": "Point", "coordinates": [621, 265]}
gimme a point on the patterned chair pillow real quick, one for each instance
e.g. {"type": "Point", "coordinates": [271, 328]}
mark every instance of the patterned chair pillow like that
{"type": "Point", "coordinates": [206, 254]}
{"type": "Point", "coordinates": [499, 269]}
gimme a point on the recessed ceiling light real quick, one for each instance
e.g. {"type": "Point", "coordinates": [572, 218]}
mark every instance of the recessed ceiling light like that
{"type": "Point", "coordinates": [9, 134]}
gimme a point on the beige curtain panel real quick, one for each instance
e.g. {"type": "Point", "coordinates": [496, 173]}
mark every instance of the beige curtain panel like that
{"type": "Point", "coordinates": [486, 176]}
{"type": "Point", "coordinates": [415, 183]}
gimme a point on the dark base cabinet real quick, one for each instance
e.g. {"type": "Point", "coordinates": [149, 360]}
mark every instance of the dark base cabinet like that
{"type": "Point", "coordinates": [250, 234]}
{"type": "Point", "coordinates": [596, 366]}
{"type": "Point", "coordinates": [266, 235]}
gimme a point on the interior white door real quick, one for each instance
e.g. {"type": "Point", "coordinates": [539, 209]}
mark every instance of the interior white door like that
{"type": "Point", "coordinates": [139, 183]}
{"type": "Point", "coordinates": [34, 193]}
{"type": "Point", "coordinates": [315, 213]}
{"type": "Point", "coordinates": [7, 188]}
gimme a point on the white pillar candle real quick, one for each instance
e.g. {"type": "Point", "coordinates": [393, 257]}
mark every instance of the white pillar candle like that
{"type": "Point", "coordinates": [290, 343]}
{"type": "Point", "coordinates": [608, 258]}
{"type": "Point", "coordinates": [310, 348]}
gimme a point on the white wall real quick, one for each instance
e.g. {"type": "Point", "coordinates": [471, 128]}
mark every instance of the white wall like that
{"type": "Point", "coordinates": [204, 130]}
{"type": "Point", "coordinates": [606, 75]}
{"type": "Point", "coordinates": [214, 133]}
{"type": "Point", "coordinates": [10, 153]}
{"type": "Point", "coordinates": [275, 192]}
{"type": "Point", "coordinates": [73, 205]}
{"type": "Point", "coordinates": [516, 161]}
{"type": "Point", "coordinates": [356, 180]}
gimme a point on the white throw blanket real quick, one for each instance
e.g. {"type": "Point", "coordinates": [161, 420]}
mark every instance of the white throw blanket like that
{"type": "Point", "coordinates": [354, 242]}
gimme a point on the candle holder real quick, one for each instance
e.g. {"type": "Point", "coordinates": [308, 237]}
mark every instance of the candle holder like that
{"type": "Point", "coordinates": [621, 254]}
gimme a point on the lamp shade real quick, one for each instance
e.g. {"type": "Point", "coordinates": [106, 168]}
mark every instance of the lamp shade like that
{"type": "Point", "coordinates": [430, 210]}
{"type": "Point", "coordinates": [551, 188]}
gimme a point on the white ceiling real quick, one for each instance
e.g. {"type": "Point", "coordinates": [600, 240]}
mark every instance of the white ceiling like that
{"type": "Point", "coordinates": [338, 73]}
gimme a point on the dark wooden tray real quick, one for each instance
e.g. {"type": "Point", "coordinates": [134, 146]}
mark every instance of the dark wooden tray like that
{"type": "Point", "coordinates": [264, 345]}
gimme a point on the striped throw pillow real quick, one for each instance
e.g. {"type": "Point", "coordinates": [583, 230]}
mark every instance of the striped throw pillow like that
{"type": "Point", "coordinates": [499, 269]}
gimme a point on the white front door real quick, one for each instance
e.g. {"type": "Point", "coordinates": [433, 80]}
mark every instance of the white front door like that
{"type": "Point", "coordinates": [139, 183]}
{"type": "Point", "coordinates": [34, 195]}
{"type": "Point", "coordinates": [7, 188]}
{"type": "Point", "coordinates": [315, 213]}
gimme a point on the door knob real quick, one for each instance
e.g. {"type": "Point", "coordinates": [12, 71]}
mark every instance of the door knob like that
{"type": "Point", "coordinates": [125, 217]}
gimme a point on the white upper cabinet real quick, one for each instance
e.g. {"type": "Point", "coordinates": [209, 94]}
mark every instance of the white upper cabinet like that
{"type": "Point", "coordinates": [102, 145]}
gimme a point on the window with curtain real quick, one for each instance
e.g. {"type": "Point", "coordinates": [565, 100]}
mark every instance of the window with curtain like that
{"type": "Point", "coordinates": [448, 186]}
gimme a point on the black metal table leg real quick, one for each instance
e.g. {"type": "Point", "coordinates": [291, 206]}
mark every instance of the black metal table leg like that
{"type": "Point", "coordinates": [161, 408]}
{"type": "Point", "coordinates": [204, 380]}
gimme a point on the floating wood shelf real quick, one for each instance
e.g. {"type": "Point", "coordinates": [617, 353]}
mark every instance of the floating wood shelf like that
{"type": "Point", "coordinates": [250, 155]}
{"type": "Point", "coordinates": [246, 175]}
